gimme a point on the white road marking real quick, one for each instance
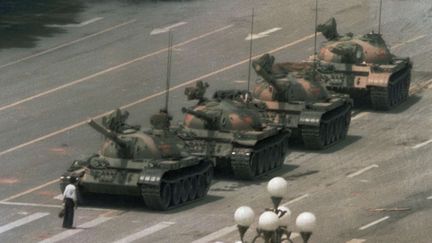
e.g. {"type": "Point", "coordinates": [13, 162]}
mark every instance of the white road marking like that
{"type": "Point", "coordinates": [422, 144]}
{"type": "Point", "coordinates": [356, 241]}
{"type": "Point", "coordinates": [217, 234]}
{"type": "Point", "coordinates": [30, 190]}
{"type": "Point", "coordinates": [374, 223]}
{"type": "Point", "coordinates": [22, 221]}
{"type": "Point", "coordinates": [155, 94]}
{"type": "Point", "coordinates": [59, 197]}
{"type": "Point", "coordinates": [108, 70]}
{"type": "Point", "coordinates": [359, 115]}
{"type": "Point", "coordinates": [47, 205]}
{"type": "Point", "coordinates": [90, 21]}
{"type": "Point", "coordinates": [262, 34]}
{"type": "Point", "coordinates": [67, 43]}
{"type": "Point", "coordinates": [68, 233]}
{"type": "Point", "coordinates": [145, 232]}
{"type": "Point", "coordinates": [240, 81]}
{"type": "Point", "coordinates": [408, 41]}
{"type": "Point", "coordinates": [296, 200]}
{"type": "Point", "coordinates": [429, 198]}
{"type": "Point", "coordinates": [362, 170]}
{"type": "Point", "coordinates": [166, 28]}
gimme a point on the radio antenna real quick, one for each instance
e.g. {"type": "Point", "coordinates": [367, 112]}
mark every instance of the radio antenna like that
{"type": "Point", "coordinates": [379, 18]}
{"type": "Point", "coordinates": [250, 50]}
{"type": "Point", "coordinates": [168, 75]}
{"type": "Point", "coordinates": [316, 24]}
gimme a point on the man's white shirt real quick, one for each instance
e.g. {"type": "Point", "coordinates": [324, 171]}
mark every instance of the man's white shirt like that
{"type": "Point", "coordinates": [70, 192]}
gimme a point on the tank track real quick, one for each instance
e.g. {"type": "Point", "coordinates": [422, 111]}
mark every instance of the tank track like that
{"type": "Point", "coordinates": [178, 187]}
{"type": "Point", "coordinates": [333, 127]}
{"type": "Point", "coordinates": [268, 155]}
{"type": "Point", "coordinates": [384, 98]}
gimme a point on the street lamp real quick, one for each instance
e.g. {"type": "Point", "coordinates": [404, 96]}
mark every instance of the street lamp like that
{"type": "Point", "coordinates": [273, 222]}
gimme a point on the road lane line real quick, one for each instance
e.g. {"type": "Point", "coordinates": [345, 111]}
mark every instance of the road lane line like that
{"type": "Point", "coordinates": [429, 198]}
{"type": "Point", "coordinates": [30, 190]}
{"type": "Point", "coordinates": [422, 144]}
{"type": "Point", "coordinates": [68, 233]}
{"type": "Point", "coordinates": [359, 115]}
{"type": "Point", "coordinates": [216, 235]}
{"type": "Point", "coordinates": [296, 200]}
{"type": "Point", "coordinates": [31, 204]}
{"type": "Point", "coordinates": [145, 232]}
{"type": "Point", "coordinates": [154, 95]}
{"type": "Point", "coordinates": [109, 69]}
{"type": "Point", "coordinates": [166, 28]}
{"type": "Point", "coordinates": [362, 171]}
{"type": "Point", "coordinates": [262, 34]}
{"type": "Point", "coordinates": [90, 21]}
{"type": "Point", "coordinates": [68, 43]}
{"type": "Point", "coordinates": [22, 221]}
{"type": "Point", "coordinates": [374, 223]}
{"type": "Point", "coordinates": [48, 206]}
{"type": "Point", "coordinates": [408, 41]}
{"type": "Point", "coordinates": [356, 241]}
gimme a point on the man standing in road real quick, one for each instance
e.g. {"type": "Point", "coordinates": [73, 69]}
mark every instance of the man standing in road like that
{"type": "Point", "coordinates": [70, 201]}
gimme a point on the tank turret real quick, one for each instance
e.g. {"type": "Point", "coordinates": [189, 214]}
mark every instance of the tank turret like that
{"type": "Point", "coordinates": [287, 82]}
{"type": "Point", "coordinates": [364, 67]}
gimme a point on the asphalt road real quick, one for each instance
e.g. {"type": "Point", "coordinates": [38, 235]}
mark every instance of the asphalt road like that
{"type": "Point", "coordinates": [82, 60]}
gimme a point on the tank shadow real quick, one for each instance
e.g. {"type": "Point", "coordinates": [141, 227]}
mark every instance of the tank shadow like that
{"type": "Point", "coordinates": [23, 22]}
{"type": "Point", "coordinates": [227, 175]}
{"type": "Point", "coordinates": [350, 139]}
{"type": "Point", "coordinates": [411, 100]}
{"type": "Point", "coordinates": [129, 203]}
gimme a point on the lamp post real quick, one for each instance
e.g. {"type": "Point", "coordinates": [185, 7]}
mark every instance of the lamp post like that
{"type": "Point", "coordinates": [273, 222]}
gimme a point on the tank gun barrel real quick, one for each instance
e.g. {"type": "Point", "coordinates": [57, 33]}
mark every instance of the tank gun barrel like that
{"type": "Point", "coordinates": [107, 133]}
{"type": "Point", "coordinates": [199, 114]}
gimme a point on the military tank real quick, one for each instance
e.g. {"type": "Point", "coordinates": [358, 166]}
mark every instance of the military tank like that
{"type": "Point", "coordinates": [231, 132]}
{"type": "Point", "coordinates": [153, 164]}
{"type": "Point", "coordinates": [295, 98]}
{"type": "Point", "coordinates": [363, 67]}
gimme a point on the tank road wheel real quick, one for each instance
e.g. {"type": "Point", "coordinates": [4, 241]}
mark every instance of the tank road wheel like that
{"type": "Point", "coordinates": [165, 196]}
{"type": "Point", "coordinates": [184, 195]}
{"type": "Point", "coordinates": [201, 189]}
{"type": "Point", "coordinates": [176, 190]}
{"type": "Point", "coordinates": [273, 157]}
{"type": "Point", "coordinates": [160, 201]}
{"type": "Point", "coordinates": [381, 98]}
{"type": "Point", "coordinates": [341, 127]}
{"type": "Point", "coordinates": [253, 164]}
{"type": "Point", "coordinates": [208, 178]}
{"type": "Point", "coordinates": [194, 188]}
{"type": "Point", "coordinates": [261, 161]}
{"type": "Point", "coordinates": [281, 153]}
{"type": "Point", "coordinates": [266, 161]}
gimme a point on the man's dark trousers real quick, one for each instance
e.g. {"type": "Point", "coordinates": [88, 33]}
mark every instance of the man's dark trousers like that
{"type": "Point", "coordinates": [69, 213]}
